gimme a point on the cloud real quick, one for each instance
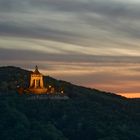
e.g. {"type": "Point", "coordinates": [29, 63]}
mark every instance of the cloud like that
{"type": "Point", "coordinates": [24, 54]}
{"type": "Point", "coordinates": [70, 21]}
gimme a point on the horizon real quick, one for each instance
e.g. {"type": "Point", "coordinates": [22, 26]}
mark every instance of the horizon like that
{"type": "Point", "coordinates": [90, 43]}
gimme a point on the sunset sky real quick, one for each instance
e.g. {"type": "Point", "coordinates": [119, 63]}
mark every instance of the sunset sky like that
{"type": "Point", "coordinates": [94, 43]}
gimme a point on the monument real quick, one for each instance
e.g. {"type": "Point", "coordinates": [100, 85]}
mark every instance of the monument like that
{"type": "Point", "coordinates": [37, 83]}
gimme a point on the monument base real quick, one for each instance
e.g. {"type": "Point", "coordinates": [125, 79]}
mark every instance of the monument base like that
{"type": "Point", "coordinates": [38, 90]}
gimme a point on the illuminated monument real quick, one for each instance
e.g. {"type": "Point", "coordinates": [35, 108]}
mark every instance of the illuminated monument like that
{"type": "Point", "coordinates": [37, 83]}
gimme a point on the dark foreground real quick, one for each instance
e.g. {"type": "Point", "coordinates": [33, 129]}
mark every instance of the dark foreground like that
{"type": "Point", "coordinates": [88, 114]}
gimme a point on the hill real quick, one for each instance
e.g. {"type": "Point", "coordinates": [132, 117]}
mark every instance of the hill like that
{"type": "Point", "coordinates": [88, 114]}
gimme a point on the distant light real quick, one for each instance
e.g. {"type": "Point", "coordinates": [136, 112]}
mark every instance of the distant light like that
{"type": "Point", "coordinates": [62, 91]}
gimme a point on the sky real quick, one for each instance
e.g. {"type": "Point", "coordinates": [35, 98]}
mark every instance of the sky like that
{"type": "Point", "coordinates": [93, 43]}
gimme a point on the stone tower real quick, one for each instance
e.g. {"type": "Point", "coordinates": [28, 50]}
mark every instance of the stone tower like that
{"type": "Point", "coordinates": [36, 80]}
{"type": "Point", "coordinates": [37, 83]}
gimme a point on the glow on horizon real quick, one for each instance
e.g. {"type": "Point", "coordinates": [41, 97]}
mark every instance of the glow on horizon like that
{"type": "Point", "coordinates": [130, 95]}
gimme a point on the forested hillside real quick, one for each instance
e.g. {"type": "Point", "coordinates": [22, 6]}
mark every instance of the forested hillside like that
{"type": "Point", "coordinates": [88, 114]}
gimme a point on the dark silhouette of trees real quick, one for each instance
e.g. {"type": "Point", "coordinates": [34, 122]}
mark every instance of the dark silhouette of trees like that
{"type": "Point", "coordinates": [88, 114]}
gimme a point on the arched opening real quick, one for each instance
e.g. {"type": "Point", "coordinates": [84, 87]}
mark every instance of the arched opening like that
{"type": "Point", "coordinates": [37, 83]}
{"type": "Point", "coordinates": [33, 83]}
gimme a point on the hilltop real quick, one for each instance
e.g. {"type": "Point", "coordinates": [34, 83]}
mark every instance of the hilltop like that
{"type": "Point", "coordinates": [88, 113]}
{"type": "Point", "coordinates": [12, 76]}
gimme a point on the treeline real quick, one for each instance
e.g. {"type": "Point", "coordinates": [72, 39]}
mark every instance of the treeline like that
{"type": "Point", "coordinates": [83, 118]}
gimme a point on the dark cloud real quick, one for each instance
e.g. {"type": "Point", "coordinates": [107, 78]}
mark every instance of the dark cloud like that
{"type": "Point", "coordinates": [112, 16]}
{"type": "Point", "coordinates": [11, 29]}
{"type": "Point", "coordinates": [14, 54]}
